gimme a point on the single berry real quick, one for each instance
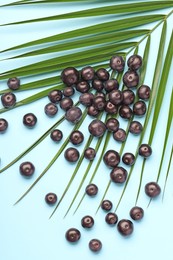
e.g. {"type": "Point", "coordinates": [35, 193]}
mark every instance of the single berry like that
{"type": "Point", "coordinates": [90, 153]}
{"type": "Point", "coordinates": [68, 91]}
{"type": "Point", "coordinates": [95, 245]}
{"type": "Point", "coordinates": [99, 103]}
{"type": "Point", "coordinates": [72, 235]}
{"type": "Point", "coordinates": [97, 128]}
{"type": "Point", "coordinates": [131, 79]}
{"type": "Point", "coordinates": [143, 92]}
{"type": "Point", "coordinates": [83, 87]}
{"type": "Point", "coordinates": [111, 158]}
{"type": "Point", "coordinates": [51, 109]}
{"type": "Point", "coordinates": [87, 221]}
{"type": "Point", "coordinates": [112, 124]}
{"type": "Point", "coordinates": [13, 83]}
{"type": "Point", "coordinates": [111, 108]}
{"type": "Point", "coordinates": [92, 111]}
{"type": "Point", "coordinates": [102, 74]}
{"type": "Point", "coordinates": [128, 158]}
{"type": "Point", "coordinates": [128, 97]}
{"type": "Point", "coordinates": [56, 135]}
{"type": "Point", "coordinates": [110, 85]}
{"type": "Point", "coordinates": [117, 63]}
{"type": "Point", "coordinates": [118, 175]}
{"type": "Point", "coordinates": [135, 127]}
{"type": "Point", "coordinates": [70, 76]}
{"type": "Point", "coordinates": [152, 189]}
{"type": "Point", "coordinates": [27, 169]}
{"type": "Point", "coordinates": [3, 125]}
{"type": "Point", "coordinates": [73, 115]}
{"type": "Point", "coordinates": [87, 73]}
{"type": "Point", "coordinates": [8, 100]}
{"type": "Point", "coordinates": [29, 120]}
{"type": "Point", "coordinates": [66, 103]}
{"type": "Point", "coordinates": [111, 218]}
{"type": "Point", "coordinates": [125, 112]}
{"type": "Point", "coordinates": [125, 227]}
{"type": "Point", "coordinates": [120, 135]}
{"type": "Point", "coordinates": [86, 99]}
{"type": "Point", "coordinates": [134, 62]}
{"type": "Point", "coordinates": [106, 205]}
{"type": "Point", "coordinates": [115, 97]}
{"type": "Point", "coordinates": [51, 198]}
{"type": "Point", "coordinates": [136, 213]}
{"type": "Point", "coordinates": [139, 108]}
{"type": "Point", "coordinates": [76, 137]}
{"type": "Point", "coordinates": [97, 85]}
{"type": "Point", "coordinates": [55, 96]}
{"type": "Point", "coordinates": [145, 150]}
{"type": "Point", "coordinates": [91, 189]}
{"type": "Point", "coordinates": [71, 154]}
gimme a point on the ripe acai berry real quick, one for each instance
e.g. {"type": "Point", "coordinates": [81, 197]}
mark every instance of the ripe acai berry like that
{"type": "Point", "coordinates": [134, 62]}
{"type": "Point", "coordinates": [70, 76]}
{"type": "Point", "coordinates": [125, 112]}
{"type": "Point", "coordinates": [112, 124]}
{"type": "Point", "coordinates": [115, 97]}
{"type": "Point", "coordinates": [76, 137]}
{"type": "Point", "coordinates": [125, 227]}
{"type": "Point", "coordinates": [106, 205]}
{"type": "Point", "coordinates": [55, 96]}
{"type": "Point", "coordinates": [90, 153]}
{"type": "Point", "coordinates": [111, 158]}
{"type": "Point", "coordinates": [72, 235]}
{"type": "Point", "coordinates": [117, 63]}
{"type": "Point", "coordinates": [73, 114]}
{"type": "Point", "coordinates": [8, 100]}
{"type": "Point", "coordinates": [97, 128]}
{"type": "Point", "coordinates": [143, 92]}
{"type": "Point", "coordinates": [51, 198]}
{"type": "Point", "coordinates": [102, 74]}
{"type": "Point", "coordinates": [120, 135]}
{"type": "Point", "coordinates": [71, 154]}
{"type": "Point", "coordinates": [87, 73]}
{"type": "Point", "coordinates": [131, 79]}
{"type": "Point", "coordinates": [111, 218]}
{"type": "Point", "coordinates": [128, 158]}
{"type": "Point", "coordinates": [66, 103]}
{"type": "Point", "coordinates": [29, 120]}
{"type": "Point", "coordinates": [87, 221]}
{"type": "Point", "coordinates": [136, 213]}
{"type": "Point", "coordinates": [3, 125]}
{"type": "Point", "coordinates": [118, 175]}
{"type": "Point", "coordinates": [56, 135]}
{"type": "Point", "coordinates": [91, 189]}
{"type": "Point", "coordinates": [83, 87]}
{"type": "Point", "coordinates": [145, 150]}
{"type": "Point", "coordinates": [27, 169]}
{"type": "Point", "coordinates": [128, 97]}
{"type": "Point", "coordinates": [13, 83]}
{"type": "Point", "coordinates": [152, 189]}
{"type": "Point", "coordinates": [51, 109]}
{"type": "Point", "coordinates": [110, 85]}
{"type": "Point", "coordinates": [95, 245]}
{"type": "Point", "coordinates": [139, 108]}
{"type": "Point", "coordinates": [68, 91]}
{"type": "Point", "coordinates": [135, 127]}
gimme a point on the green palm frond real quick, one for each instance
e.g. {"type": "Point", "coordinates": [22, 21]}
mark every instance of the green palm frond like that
{"type": "Point", "coordinates": [94, 45]}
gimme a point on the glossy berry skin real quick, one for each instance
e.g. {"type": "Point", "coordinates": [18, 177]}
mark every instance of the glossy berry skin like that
{"type": "Point", "coordinates": [87, 73]}
{"type": "Point", "coordinates": [117, 63]}
{"type": "Point", "coordinates": [8, 100]}
{"type": "Point", "coordinates": [139, 108]}
{"type": "Point", "coordinates": [92, 111]}
{"type": "Point", "coordinates": [134, 62]}
{"type": "Point", "coordinates": [3, 125]}
{"type": "Point", "coordinates": [128, 158]}
{"type": "Point", "coordinates": [115, 97]}
{"type": "Point", "coordinates": [95, 245]}
{"type": "Point", "coordinates": [145, 150]}
{"type": "Point", "coordinates": [68, 91]}
{"type": "Point", "coordinates": [91, 190]}
{"type": "Point", "coordinates": [125, 227]}
{"type": "Point", "coordinates": [99, 103]}
{"type": "Point", "coordinates": [83, 87]}
{"type": "Point", "coordinates": [125, 112]}
{"type": "Point", "coordinates": [27, 169]}
{"type": "Point", "coordinates": [29, 120]}
{"type": "Point", "coordinates": [86, 99]}
{"type": "Point", "coordinates": [135, 127]}
{"type": "Point", "coordinates": [97, 128]}
{"type": "Point", "coordinates": [51, 109]}
{"type": "Point", "coordinates": [118, 175]}
{"type": "Point", "coordinates": [56, 135]}
{"type": "Point", "coordinates": [72, 235]}
{"type": "Point", "coordinates": [152, 189]}
{"type": "Point", "coordinates": [55, 96]}
{"type": "Point", "coordinates": [90, 153]}
{"type": "Point", "coordinates": [128, 97]}
{"type": "Point", "coordinates": [70, 76]}
{"type": "Point", "coordinates": [71, 154]}
{"type": "Point", "coordinates": [111, 158]}
{"type": "Point", "coordinates": [131, 79]}
{"type": "Point", "coordinates": [51, 198]}
{"type": "Point", "coordinates": [87, 222]}
{"type": "Point", "coordinates": [120, 135]}
{"type": "Point", "coordinates": [106, 205]}
{"type": "Point", "coordinates": [66, 103]}
{"type": "Point", "coordinates": [76, 137]}
{"type": "Point", "coordinates": [97, 85]}
{"type": "Point", "coordinates": [73, 115]}
{"type": "Point", "coordinates": [111, 218]}
{"type": "Point", "coordinates": [110, 85]}
{"type": "Point", "coordinates": [111, 108]}
{"type": "Point", "coordinates": [112, 124]}
{"type": "Point", "coordinates": [102, 74]}
{"type": "Point", "coordinates": [13, 83]}
{"type": "Point", "coordinates": [143, 92]}
{"type": "Point", "coordinates": [136, 213]}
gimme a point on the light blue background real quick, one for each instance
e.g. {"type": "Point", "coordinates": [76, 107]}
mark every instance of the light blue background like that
{"type": "Point", "coordinates": [26, 232]}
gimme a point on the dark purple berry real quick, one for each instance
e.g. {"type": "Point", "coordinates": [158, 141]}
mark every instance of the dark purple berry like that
{"type": "Point", "coordinates": [111, 108]}
{"type": "Point", "coordinates": [136, 213]}
{"type": "Point", "coordinates": [87, 221]}
{"type": "Point", "coordinates": [97, 85]}
{"type": "Point", "coordinates": [76, 137]}
{"type": "Point", "coordinates": [128, 97]}
{"type": "Point", "coordinates": [139, 108]}
{"type": "Point", "coordinates": [56, 135]}
{"type": "Point", "coordinates": [128, 158]}
{"type": "Point", "coordinates": [110, 85]}
{"type": "Point", "coordinates": [71, 154]}
{"type": "Point", "coordinates": [115, 97]}
{"type": "Point", "coordinates": [117, 63]}
{"type": "Point", "coordinates": [3, 125]}
{"type": "Point", "coordinates": [111, 158]}
{"type": "Point", "coordinates": [27, 169]}
{"type": "Point", "coordinates": [51, 109]}
{"type": "Point", "coordinates": [55, 96]}
{"type": "Point", "coordinates": [51, 198]}
{"type": "Point", "coordinates": [83, 87]}
{"type": "Point", "coordinates": [68, 91]}
{"type": "Point", "coordinates": [91, 189]}
{"type": "Point", "coordinates": [125, 112]}
{"type": "Point", "coordinates": [90, 153]}
{"type": "Point", "coordinates": [112, 124]}
{"type": "Point", "coordinates": [135, 127]}
{"type": "Point", "coordinates": [118, 175]}
{"type": "Point", "coordinates": [92, 111]}
{"type": "Point", "coordinates": [102, 74]}
{"type": "Point", "coordinates": [99, 103]}
{"type": "Point", "coordinates": [143, 92]}
{"type": "Point", "coordinates": [134, 62]}
{"type": "Point", "coordinates": [86, 99]}
{"type": "Point", "coordinates": [66, 103]}
{"type": "Point", "coordinates": [106, 205]}
{"type": "Point", "coordinates": [70, 76]}
{"type": "Point", "coordinates": [73, 114]}
{"type": "Point", "coordinates": [120, 135]}
{"type": "Point", "coordinates": [8, 100]}
{"type": "Point", "coordinates": [97, 128]}
{"type": "Point", "coordinates": [87, 73]}
{"type": "Point", "coordinates": [152, 189]}
{"type": "Point", "coordinates": [131, 79]}
{"type": "Point", "coordinates": [29, 120]}
{"type": "Point", "coordinates": [13, 83]}
{"type": "Point", "coordinates": [95, 245]}
{"type": "Point", "coordinates": [145, 150]}
{"type": "Point", "coordinates": [111, 218]}
{"type": "Point", "coordinates": [72, 235]}
{"type": "Point", "coordinates": [125, 227]}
